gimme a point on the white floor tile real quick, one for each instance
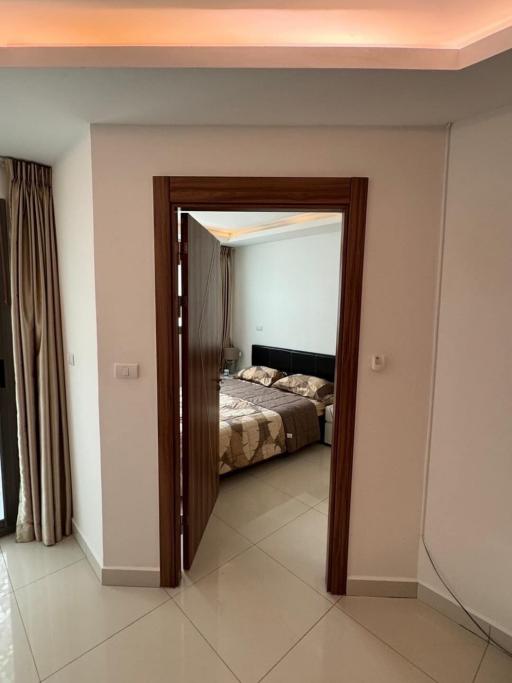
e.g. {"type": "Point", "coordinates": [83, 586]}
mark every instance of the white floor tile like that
{"type": "Point", "coordinates": [323, 507]}
{"type": "Point", "coordinates": [27, 562]}
{"type": "Point", "coordinates": [68, 612]}
{"type": "Point", "coordinates": [16, 663]}
{"type": "Point", "coordinates": [337, 650]}
{"type": "Point", "coordinates": [159, 648]}
{"type": "Point", "coordinates": [253, 508]}
{"type": "Point", "coordinates": [496, 667]}
{"type": "Point", "coordinates": [5, 584]}
{"type": "Point", "coordinates": [437, 645]}
{"type": "Point", "coordinates": [219, 544]}
{"type": "Point", "coordinates": [301, 546]}
{"type": "Point", "coordinates": [252, 611]}
{"type": "Point", "coordinates": [303, 475]}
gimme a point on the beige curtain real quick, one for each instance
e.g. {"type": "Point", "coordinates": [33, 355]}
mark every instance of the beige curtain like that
{"type": "Point", "coordinates": [44, 511]}
{"type": "Point", "coordinates": [226, 267]}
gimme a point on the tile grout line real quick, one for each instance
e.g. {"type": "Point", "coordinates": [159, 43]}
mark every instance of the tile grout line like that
{"type": "Point", "coordinates": [112, 635]}
{"type": "Point", "coordinates": [255, 545]}
{"type": "Point", "coordinates": [9, 580]}
{"type": "Point", "coordinates": [374, 635]}
{"type": "Point", "coordinates": [193, 583]}
{"type": "Point", "coordinates": [206, 639]}
{"type": "Point", "coordinates": [261, 479]}
{"type": "Point", "coordinates": [252, 544]}
{"type": "Point", "coordinates": [271, 532]}
{"type": "Point", "coordinates": [2, 552]}
{"type": "Point", "coordinates": [295, 644]}
{"type": "Point", "coordinates": [331, 602]}
{"type": "Point", "coordinates": [55, 571]}
{"type": "Point", "coordinates": [474, 679]}
{"type": "Point", "coordinates": [26, 635]}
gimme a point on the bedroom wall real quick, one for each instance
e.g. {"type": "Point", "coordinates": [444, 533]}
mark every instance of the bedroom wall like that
{"type": "Point", "coordinates": [72, 184]}
{"type": "Point", "coordinates": [405, 171]}
{"type": "Point", "coordinates": [468, 508]}
{"type": "Point", "coordinates": [290, 288]}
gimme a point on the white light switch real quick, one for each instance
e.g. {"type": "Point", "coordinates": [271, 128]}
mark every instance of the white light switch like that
{"type": "Point", "coordinates": [71, 358]}
{"type": "Point", "coordinates": [126, 370]}
{"type": "Point", "coordinates": [259, 328]}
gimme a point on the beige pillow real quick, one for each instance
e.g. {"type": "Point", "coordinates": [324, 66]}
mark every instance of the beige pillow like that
{"type": "Point", "coordinates": [307, 386]}
{"type": "Point", "coordinates": [260, 374]}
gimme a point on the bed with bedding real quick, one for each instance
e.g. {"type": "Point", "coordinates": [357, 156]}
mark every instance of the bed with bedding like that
{"type": "Point", "coordinates": [276, 406]}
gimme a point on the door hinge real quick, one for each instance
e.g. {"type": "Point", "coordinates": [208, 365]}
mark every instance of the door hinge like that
{"type": "Point", "coordinates": [182, 250]}
{"type": "Point", "coordinates": [182, 524]}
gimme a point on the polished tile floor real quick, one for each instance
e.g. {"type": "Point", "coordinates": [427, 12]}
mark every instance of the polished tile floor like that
{"type": "Point", "coordinates": [253, 608]}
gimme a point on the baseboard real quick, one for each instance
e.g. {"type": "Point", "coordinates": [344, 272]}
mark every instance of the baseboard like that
{"type": "Point", "coordinates": [454, 612]}
{"type": "Point", "coordinates": [381, 588]}
{"type": "Point", "coordinates": [130, 576]}
{"type": "Point", "coordinates": [117, 576]}
{"type": "Point", "coordinates": [96, 567]}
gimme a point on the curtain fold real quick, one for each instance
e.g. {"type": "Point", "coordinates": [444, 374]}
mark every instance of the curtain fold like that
{"type": "Point", "coordinates": [226, 267]}
{"type": "Point", "coordinates": [45, 506]}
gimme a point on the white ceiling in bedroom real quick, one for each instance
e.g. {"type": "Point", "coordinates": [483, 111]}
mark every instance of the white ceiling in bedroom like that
{"type": "Point", "coordinates": [243, 228]}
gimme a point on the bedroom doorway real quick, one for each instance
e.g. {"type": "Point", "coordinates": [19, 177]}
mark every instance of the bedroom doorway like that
{"type": "Point", "coordinates": [189, 335]}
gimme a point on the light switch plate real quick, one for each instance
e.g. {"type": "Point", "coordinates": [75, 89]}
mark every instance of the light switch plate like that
{"type": "Point", "coordinates": [126, 370]}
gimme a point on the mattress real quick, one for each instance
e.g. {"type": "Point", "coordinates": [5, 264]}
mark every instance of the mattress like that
{"type": "Point", "coordinates": [257, 423]}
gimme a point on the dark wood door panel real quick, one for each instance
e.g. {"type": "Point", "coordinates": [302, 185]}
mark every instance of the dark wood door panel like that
{"type": "Point", "coordinates": [200, 380]}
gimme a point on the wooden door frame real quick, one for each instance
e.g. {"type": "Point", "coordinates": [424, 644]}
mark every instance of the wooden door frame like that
{"type": "Point", "coordinates": [346, 195]}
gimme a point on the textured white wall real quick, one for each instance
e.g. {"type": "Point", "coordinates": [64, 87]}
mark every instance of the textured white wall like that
{"type": "Point", "coordinates": [405, 171]}
{"type": "Point", "coordinates": [72, 186]}
{"type": "Point", "coordinates": [469, 510]}
{"type": "Point", "coordinates": [289, 287]}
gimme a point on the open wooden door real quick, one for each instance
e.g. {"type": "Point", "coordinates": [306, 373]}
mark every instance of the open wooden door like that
{"type": "Point", "coordinates": [201, 358]}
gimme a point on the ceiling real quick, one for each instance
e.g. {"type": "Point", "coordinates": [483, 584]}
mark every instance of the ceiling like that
{"type": "Point", "coordinates": [243, 228]}
{"type": "Point", "coordinates": [44, 110]}
{"type": "Point", "coordinates": [422, 33]}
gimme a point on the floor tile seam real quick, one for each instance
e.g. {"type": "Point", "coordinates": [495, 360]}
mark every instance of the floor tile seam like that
{"type": "Point", "coordinates": [212, 571]}
{"type": "Point", "coordinates": [112, 635]}
{"type": "Point", "coordinates": [296, 643]}
{"type": "Point", "coordinates": [308, 585]}
{"type": "Point", "coordinates": [210, 645]}
{"type": "Point", "coordinates": [473, 680]}
{"type": "Point", "coordinates": [25, 630]}
{"type": "Point", "coordinates": [416, 666]}
{"type": "Point", "coordinates": [45, 576]}
{"type": "Point", "coordinates": [276, 488]}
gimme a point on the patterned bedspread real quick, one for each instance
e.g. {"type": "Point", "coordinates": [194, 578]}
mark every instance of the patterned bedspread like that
{"type": "Point", "coordinates": [248, 433]}
{"type": "Point", "coordinates": [257, 423]}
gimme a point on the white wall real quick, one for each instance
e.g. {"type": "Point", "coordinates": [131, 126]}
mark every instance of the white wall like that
{"type": "Point", "coordinates": [72, 185]}
{"type": "Point", "coordinates": [405, 171]}
{"type": "Point", "coordinates": [290, 288]}
{"type": "Point", "coordinates": [469, 508]}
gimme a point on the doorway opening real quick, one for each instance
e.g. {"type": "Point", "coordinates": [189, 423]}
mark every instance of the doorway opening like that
{"type": "Point", "coordinates": [278, 291]}
{"type": "Point", "coordinates": [192, 348]}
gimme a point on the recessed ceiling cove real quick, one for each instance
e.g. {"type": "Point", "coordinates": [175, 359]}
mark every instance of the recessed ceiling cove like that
{"type": "Point", "coordinates": [419, 34]}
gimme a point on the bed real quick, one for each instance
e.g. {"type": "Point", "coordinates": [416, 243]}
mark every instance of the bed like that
{"type": "Point", "coordinates": [259, 422]}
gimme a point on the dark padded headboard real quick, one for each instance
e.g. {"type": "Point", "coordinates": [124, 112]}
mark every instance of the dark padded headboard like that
{"type": "Point", "coordinates": [292, 362]}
